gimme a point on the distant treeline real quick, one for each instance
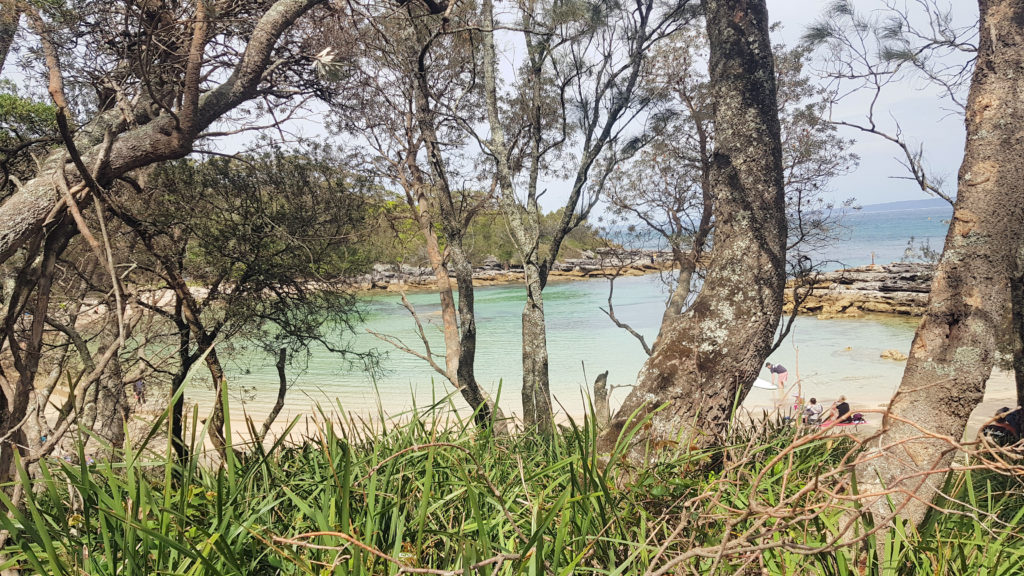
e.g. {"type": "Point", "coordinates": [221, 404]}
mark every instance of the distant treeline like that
{"type": "Point", "coordinates": [394, 237]}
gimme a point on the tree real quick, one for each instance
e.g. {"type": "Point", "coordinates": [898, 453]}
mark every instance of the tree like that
{"type": "Point", "coordinates": [10, 14]}
{"type": "Point", "coordinates": [665, 189]}
{"type": "Point", "coordinates": [269, 237]}
{"type": "Point", "coordinates": [953, 351]}
{"type": "Point", "coordinates": [132, 84]}
{"type": "Point", "coordinates": [415, 96]}
{"type": "Point", "coordinates": [975, 292]}
{"type": "Point", "coordinates": [571, 108]}
{"type": "Point", "coordinates": [709, 356]}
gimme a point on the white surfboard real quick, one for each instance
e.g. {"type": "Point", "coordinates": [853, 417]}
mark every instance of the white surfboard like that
{"type": "Point", "coordinates": [764, 385]}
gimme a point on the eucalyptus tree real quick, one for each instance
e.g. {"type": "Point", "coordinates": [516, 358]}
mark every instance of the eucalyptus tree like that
{"type": "Point", "coordinates": [573, 109]}
{"type": "Point", "coordinates": [409, 104]}
{"type": "Point", "coordinates": [710, 354]}
{"type": "Point", "coordinates": [954, 348]}
{"type": "Point", "coordinates": [666, 190]}
{"type": "Point", "coordinates": [132, 84]}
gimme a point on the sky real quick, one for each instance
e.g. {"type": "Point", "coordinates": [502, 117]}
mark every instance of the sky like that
{"type": "Point", "coordinates": [921, 113]}
{"type": "Point", "coordinates": [879, 177]}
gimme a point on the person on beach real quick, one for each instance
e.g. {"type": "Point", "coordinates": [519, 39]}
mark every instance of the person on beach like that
{"type": "Point", "coordinates": [813, 411]}
{"type": "Point", "coordinates": [778, 372]}
{"type": "Point", "coordinates": [1007, 428]}
{"type": "Point", "coordinates": [838, 412]}
{"type": "Point", "coordinates": [140, 392]}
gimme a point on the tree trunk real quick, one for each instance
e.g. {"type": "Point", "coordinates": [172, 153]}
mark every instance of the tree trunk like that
{"type": "Point", "coordinates": [107, 412]}
{"type": "Point", "coordinates": [708, 357]}
{"type": "Point", "coordinates": [681, 293]}
{"type": "Point", "coordinates": [177, 401]}
{"type": "Point", "coordinates": [10, 14]}
{"type": "Point", "coordinates": [26, 355]}
{"type": "Point", "coordinates": [536, 387]}
{"type": "Point", "coordinates": [282, 389]}
{"type": "Point", "coordinates": [602, 411]}
{"type": "Point", "coordinates": [215, 428]}
{"type": "Point", "coordinates": [488, 414]}
{"type": "Point", "coordinates": [1017, 324]}
{"type": "Point", "coordinates": [953, 350]}
{"type": "Point", "coordinates": [111, 402]}
{"type": "Point", "coordinates": [459, 330]}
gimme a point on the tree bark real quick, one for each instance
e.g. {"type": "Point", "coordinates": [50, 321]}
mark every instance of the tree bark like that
{"type": "Point", "coordinates": [708, 357]}
{"type": "Point", "coordinates": [282, 390]}
{"type": "Point", "coordinates": [536, 386]}
{"type": "Point", "coordinates": [954, 348]}
{"type": "Point", "coordinates": [1017, 324]}
{"type": "Point", "coordinates": [10, 14]}
{"type": "Point", "coordinates": [139, 142]}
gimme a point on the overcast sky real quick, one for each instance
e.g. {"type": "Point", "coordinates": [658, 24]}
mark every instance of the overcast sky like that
{"type": "Point", "coordinates": [919, 109]}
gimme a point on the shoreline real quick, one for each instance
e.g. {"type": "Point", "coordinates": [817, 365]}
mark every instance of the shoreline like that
{"type": "Point", "coordinates": [399, 278]}
{"type": "Point", "coordinates": [999, 391]}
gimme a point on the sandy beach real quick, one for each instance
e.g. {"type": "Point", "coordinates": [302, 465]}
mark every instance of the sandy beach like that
{"type": "Point", "coordinates": [1000, 392]}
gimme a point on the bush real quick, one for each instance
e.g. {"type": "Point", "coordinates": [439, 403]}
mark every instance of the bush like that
{"type": "Point", "coordinates": [429, 492]}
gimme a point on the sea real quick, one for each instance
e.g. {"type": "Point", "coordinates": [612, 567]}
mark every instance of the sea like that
{"type": "Point", "coordinates": [828, 358]}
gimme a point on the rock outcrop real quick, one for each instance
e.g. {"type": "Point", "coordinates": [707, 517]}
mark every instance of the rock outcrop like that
{"type": "Point", "coordinates": [603, 264]}
{"type": "Point", "coordinates": [899, 288]}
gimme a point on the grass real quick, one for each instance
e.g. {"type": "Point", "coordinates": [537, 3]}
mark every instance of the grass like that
{"type": "Point", "coordinates": [431, 494]}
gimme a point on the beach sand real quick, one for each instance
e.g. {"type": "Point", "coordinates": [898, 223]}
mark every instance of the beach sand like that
{"type": "Point", "coordinates": [1000, 391]}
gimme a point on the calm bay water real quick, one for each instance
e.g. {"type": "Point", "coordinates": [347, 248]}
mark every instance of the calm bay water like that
{"type": "Point", "coordinates": [886, 233]}
{"type": "Point", "coordinates": [832, 356]}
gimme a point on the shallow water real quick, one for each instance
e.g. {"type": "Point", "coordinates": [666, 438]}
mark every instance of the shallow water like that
{"type": "Point", "coordinates": [832, 357]}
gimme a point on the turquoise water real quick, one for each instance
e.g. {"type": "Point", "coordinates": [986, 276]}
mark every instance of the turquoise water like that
{"type": "Point", "coordinates": [832, 357]}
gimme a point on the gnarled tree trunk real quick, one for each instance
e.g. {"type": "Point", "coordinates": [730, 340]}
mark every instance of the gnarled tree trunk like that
{"type": "Point", "coordinates": [953, 350]}
{"type": "Point", "coordinates": [707, 358]}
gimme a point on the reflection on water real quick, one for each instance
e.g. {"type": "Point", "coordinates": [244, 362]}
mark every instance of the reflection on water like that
{"type": "Point", "coordinates": [832, 356]}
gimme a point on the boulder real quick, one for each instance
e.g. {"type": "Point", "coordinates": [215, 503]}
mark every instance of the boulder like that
{"type": "Point", "coordinates": [893, 354]}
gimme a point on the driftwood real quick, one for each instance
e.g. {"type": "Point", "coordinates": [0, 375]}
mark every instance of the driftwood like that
{"type": "Point", "coordinates": [602, 411]}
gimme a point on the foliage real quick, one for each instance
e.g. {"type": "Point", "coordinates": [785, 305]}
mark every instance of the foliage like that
{"type": "Point", "coordinates": [920, 251]}
{"type": "Point", "coordinates": [269, 234]}
{"type": "Point", "coordinates": [426, 491]}
{"type": "Point", "coordinates": [663, 186]}
{"type": "Point", "coordinates": [486, 236]}
{"type": "Point", "coordinates": [26, 125]}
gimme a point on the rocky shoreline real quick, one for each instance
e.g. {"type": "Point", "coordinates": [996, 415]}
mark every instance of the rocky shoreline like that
{"type": "Point", "coordinates": [603, 264]}
{"type": "Point", "coordinates": [898, 288]}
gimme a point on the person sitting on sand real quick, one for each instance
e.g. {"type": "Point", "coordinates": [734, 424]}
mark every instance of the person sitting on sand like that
{"type": "Point", "coordinates": [1007, 428]}
{"type": "Point", "coordinates": [812, 412]}
{"type": "Point", "coordinates": [839, 411]}
{"type": "Point", "coordinates": [778, 372]}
